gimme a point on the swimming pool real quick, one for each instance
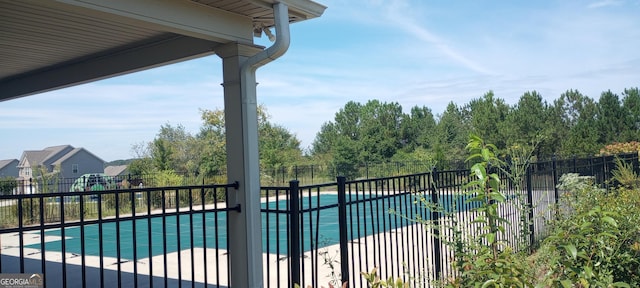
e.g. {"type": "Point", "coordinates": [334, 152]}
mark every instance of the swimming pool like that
{"type": "Point", "coordinates": [367, 214]}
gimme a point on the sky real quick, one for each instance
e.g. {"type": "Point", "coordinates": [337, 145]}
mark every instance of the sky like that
{"type": "Point", "coordinates": [413, 52]}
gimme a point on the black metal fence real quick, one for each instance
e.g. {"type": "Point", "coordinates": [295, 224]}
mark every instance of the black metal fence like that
{"type": "Point", "coordinates": [319, 234]}
{"type": "Point", "coordinates": [163, 237]}
{"type": "Point", "coordinates": [329, 233]}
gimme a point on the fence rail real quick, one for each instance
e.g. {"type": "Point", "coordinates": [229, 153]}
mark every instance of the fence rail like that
{"type": "Point", "coordinates": [313, 234]}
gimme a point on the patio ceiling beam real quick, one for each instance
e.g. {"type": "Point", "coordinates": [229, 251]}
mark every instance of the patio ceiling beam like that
{"type": "Point", "coordinates": [121, 61]}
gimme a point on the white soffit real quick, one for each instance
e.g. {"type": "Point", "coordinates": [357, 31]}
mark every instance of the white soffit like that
{"type": "Point", "coordinates": [51, 44]}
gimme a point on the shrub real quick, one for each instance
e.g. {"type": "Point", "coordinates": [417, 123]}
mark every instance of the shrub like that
{"type": "Point", "coordinates": [620, 148]}
{"type": "Point", "coordinates": [624, 175]}
{"type": "Point", "coordinates": [7, 185]}
{"type": "Point", "coordinates": [595, 241]}
{"type": "Point", "coordinates": [374, 281]}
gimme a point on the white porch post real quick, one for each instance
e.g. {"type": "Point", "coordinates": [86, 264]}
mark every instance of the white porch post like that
{"type": "Point", "coordinates": [240, 105]}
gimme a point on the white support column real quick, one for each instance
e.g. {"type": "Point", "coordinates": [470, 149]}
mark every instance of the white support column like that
{"type": "Point", "coordinates": [240, 105]}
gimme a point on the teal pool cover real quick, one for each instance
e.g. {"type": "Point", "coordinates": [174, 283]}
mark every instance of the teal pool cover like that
{"type": "Point", "coordinates": [373, 216]}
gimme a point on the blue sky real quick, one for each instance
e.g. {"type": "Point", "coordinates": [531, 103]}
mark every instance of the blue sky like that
{"type": "Point", "coordinates": [414, 52]}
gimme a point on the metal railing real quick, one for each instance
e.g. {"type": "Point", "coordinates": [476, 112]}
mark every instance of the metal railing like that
{"type": "Point", "coordinates": [329, 233]}
{"type": "Point", "coordinates": [313, 234]}
{"type": "Point", "coordinates": [166, 237]}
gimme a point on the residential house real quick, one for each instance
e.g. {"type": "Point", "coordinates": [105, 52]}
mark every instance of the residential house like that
{"type": "Point", "coordinates": [8, 175]}
{"type": "Point", "coordinates": [54, 168]}
{"type": "Point", "coordinates": [9, 168]}
{"type": "Point", "coordinates": [116, 170]}
{"type": "Point", "coordinates": [121, 175]}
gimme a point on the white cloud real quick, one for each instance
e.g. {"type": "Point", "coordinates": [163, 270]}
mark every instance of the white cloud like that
{"type": "Point", "coordinates": [411, 27]}
{"type": "Point", "coordinates": [605, 3]}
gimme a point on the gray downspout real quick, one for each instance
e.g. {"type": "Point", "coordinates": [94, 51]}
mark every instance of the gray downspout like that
{"type": "Point", "coordinates": [251, 190]}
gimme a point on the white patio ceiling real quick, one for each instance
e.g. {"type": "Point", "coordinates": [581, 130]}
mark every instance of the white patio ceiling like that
{"type": "Point", "coordinates": [51, 44]}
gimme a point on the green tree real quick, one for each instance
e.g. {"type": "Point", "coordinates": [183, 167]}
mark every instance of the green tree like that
{"type": "Point", "coordinates": [348, 120]}
{"type": "Point", "coordinates": [161, 155]}
{"type": "Point", "coordinates": [450, 136]}
{"type": "Point", "coordinates": [212, 143]}
{"type": "Point", "coordinates": [344, 161]}
{"type": "Point", "coordinates": [610, 118]}
{"type": "Point", "coordinates": [173, 149]}
{"type": "Point", "coordinates": [325, 139]}
{"type": "Point", "coordinates": [142, 164]}
{"type": "Point", "coordinates": [372, 131]}
{"type": "Point", "coordinates": [485, 115]}
{"type": "Point", "coordinates": [417, 129]}
{"type": "Point", "coordinates": [631, 109]}
{"type": "Point", "coordinates": [572, 103]}
{"type": "Point", "coordinates": [584, 136]}
{"type": "Point", "coordinates": [527, 123]}
{"type": "Point", "coordinates": [558, 129]}
{"type": "Point", "coordinates": [380, 131]}
{"type": "Point", "coordinates": [277, 146]}
{"type": "Point", "coordinates": [579, 115]}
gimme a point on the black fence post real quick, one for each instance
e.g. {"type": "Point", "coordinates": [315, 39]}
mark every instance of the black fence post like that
{"type": "Point", "coordinates": [636, 163]}
{"type": "Point", "coordinates": [283, 176]}
{"type": "Point", "coordinates": [435, 217]}
{"type": "Point", "coordinates": [366, 169]}
{"type": "Point", "coordinates": [554, 167]}
{"type": "Point", "coordinates": [342, 222]}
{"type": "Point", "coordinates": [605, 172]}
{"type": "Point", "coordinates": [294, 231]}
{"type": "Point", "coordinates": [532, 232]}
{"type": "Point", "coordinates": [21, 235]}
{"type": "Point", "coordinates": [31, 199]}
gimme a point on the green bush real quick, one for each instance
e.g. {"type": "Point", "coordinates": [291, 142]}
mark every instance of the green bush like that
{"type": "Point", "coordinates": [7, 185]}
{"type": "Point", "coordinates": [374, 281]}
{"type": "Point", "coordinates": [595, 241]}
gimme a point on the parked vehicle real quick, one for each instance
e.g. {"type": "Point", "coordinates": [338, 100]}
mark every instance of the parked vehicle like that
{"type": "Point", "coordinates": [93, 182]}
